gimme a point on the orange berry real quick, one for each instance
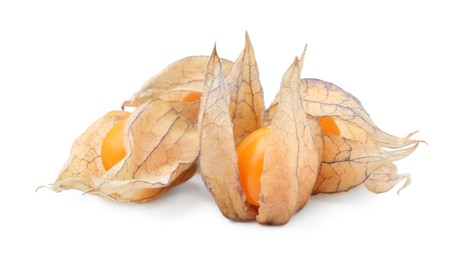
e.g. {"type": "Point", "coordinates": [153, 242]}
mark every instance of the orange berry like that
{"type": "Point", "coordinates": [250, 163]}
{"type": "Point", "coordinates": [328, 125]}
{"type": "Point", "coordinates": [113, 148]}
{"type": "Point", "coordinates": [192, 96]}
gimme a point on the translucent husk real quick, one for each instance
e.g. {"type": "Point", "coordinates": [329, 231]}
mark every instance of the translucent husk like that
{"type": "Point", "coordinates": [175, 82]}
{"type": "Point", "coordinates": [162, 142]}
{"type": "Point", "coordinates": [161, 148]}
{"type": "Point", "coordinates": [292, 157]}
{"type": "Point", "coordinates": [363, 153]}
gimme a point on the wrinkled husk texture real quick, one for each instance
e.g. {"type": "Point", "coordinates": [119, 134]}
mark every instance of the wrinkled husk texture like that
{"type": "Point", "coordinates": [230, 110]}
{"type": "Point", "coordinates": [165, 135]}
{"type": "Point", "coordinates": [161, 149]}
{"type": "Point", "coordinates": [363, 153]}
{"type": "Point", "coordinates": [175, 82]}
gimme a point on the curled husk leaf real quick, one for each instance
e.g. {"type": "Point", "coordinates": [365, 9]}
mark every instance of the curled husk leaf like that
{"type": "Point", "coordinates": [362, 153]}
{"type": "Point", "coordinates": [246, 94]}
{"type": "Point", "coordinates": [175, 82]}
{"type": "Point", "coordinates": [218, 158]}
{"type": "Point", "coordinates": [292, 157]}
{"type": "Point", "coordinates": [161, 149]}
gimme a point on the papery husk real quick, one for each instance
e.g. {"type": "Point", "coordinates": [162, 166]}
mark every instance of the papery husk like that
{"type": "Point", "coordinates": [175, 82]}
{"type": "Point", "coordinates": [322, 98]}
{"type": "Point", "coordinates": [218, 159]}
{"type": "Point", "coordinates": [246, 94]}
{"type": "Point", "coordinates": [363, 153]}
{"type": "Point", "coordinates": [347, 163]}
{"type": "Point", "coordinates": [290, 168]}
{"type": "Point", "coordinates": [292, 157]}
{"type": "Point", "coordinates": [231, 108]}
{"type": "Point", "coordinates": [161, 149]}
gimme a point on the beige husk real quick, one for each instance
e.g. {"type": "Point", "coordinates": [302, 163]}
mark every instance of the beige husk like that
{"type": "Point", "coordinates": [161, 149]}
{"type": "Point", "coordinates": [217, 158]}
{"type": "Point", "coordinates": [245, 93]}
{"type": "Point", "coordinates": [162, 143]}
{"type": "Point", "coordinates": [175, 82]}
{"type": "Point", "coordinates": [358, 155]}
{"type": "Point", "coordinates": [292, 157]}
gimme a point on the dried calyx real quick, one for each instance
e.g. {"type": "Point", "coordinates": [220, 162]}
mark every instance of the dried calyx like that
{"type": "Point", "coordinates": [258, 165]}
{"type": "Point", "coordinates": [180, 84]}
{"type": "Point", "coordinates": [315, 138]}
{"type": "Point", "coordinates": [161, 147]}
{"type": "Point", "coordinates": [230, 111]}
{"type": "Point", "coordinates": [137, 157]}
{"type": "Point", "coordinates": [359, 152]}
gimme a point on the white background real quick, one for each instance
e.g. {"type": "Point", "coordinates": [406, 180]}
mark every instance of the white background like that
{"type": "Point", "coordinates": [63, 65]}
